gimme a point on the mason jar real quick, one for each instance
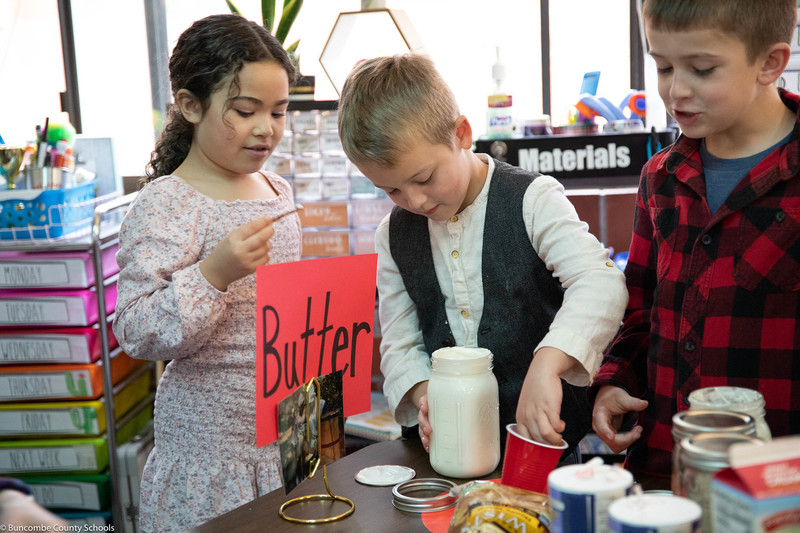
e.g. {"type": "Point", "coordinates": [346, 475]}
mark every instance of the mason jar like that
{"type": "Point", "coordinates": [737, 399]}
{"type": "Point", "coordinates": [701, 457]}
{"type": "Point", "coordinates": [464, 413]}
{"type": "Point", "coordinates": [694, 422]}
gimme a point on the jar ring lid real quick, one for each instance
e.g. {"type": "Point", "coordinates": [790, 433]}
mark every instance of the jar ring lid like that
{"type": "Point", "coordinates": [401, 499]}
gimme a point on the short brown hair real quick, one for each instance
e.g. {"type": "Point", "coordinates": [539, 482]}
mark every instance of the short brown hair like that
{"type": "Point", "coordinates": [757, 23]}
{"type": "Point", "coordinates": [388, 102]}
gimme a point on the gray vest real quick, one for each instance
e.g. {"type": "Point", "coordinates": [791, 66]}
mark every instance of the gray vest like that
{"type": "Point", "coordinates": [521, 296]}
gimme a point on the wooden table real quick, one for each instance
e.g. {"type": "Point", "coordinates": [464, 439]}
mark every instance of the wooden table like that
{"type": "Point", "coordinates": [373, 505]}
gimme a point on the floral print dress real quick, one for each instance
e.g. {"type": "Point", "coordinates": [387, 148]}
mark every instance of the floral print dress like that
{"type": "Point", "coordinates": [205, 461]}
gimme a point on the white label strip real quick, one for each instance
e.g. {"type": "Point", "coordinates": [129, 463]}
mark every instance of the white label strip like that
{"type": "Point", "coordinates": [72, 421]}
{"type": "Point", "coordinates": [42, 459]}
{"type": "Point", "coordinates": [43, 348]}
{"type": "Point", "coordinates": [38, 274]}
{"type": "Point", "coordinates": [69, 494]}
{"type": "Point", "coordinates": [43, 385]}
{"type": "Point", "coordinates": [33, 311]}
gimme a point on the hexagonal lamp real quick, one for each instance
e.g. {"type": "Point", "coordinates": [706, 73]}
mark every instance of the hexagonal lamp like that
{"type": "Point", "coordinates": [360, 35]}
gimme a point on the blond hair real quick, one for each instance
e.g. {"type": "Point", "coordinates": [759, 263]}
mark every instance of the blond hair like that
{"type": "Point", "coordinates": [757, 23]}
{"type": "Point", "coordinates": [387, 103]}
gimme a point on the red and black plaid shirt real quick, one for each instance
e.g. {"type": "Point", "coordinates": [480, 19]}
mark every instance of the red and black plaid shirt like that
{"type": "Point", "coordinates": [714, 298]}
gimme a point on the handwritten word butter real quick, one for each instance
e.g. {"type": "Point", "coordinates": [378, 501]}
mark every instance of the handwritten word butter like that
{"type": "Point", "coordinates": [281, 362]}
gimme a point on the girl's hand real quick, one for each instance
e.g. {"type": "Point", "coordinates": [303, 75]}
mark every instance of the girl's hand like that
{"type": "Point", "coordinates": [239, 253]}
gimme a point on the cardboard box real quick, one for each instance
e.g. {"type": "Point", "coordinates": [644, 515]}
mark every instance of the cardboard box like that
{"type": "Point", "coordinates": [760, 492]}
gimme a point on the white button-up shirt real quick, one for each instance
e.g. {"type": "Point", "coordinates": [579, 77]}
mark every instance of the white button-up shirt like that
{"type": "Point", "coordinates": [594, 298]}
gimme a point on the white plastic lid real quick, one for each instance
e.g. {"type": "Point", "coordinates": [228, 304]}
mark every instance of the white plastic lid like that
{"type": "Point", "coordinates": [384, 475]}
{"type": "Point", "coordinates": [654, 510]}
{"type": "Point", "coordinates": [590, 478]}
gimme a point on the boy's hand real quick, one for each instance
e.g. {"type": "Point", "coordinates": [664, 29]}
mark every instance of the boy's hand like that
{"type": "Point", "coordinates": [425, 428]}
{"type": "Point", "coordinates": [611, 404]}
{"type": "Point", "coordinates": [539, 407]}
{"type": "Point", "coordinates": [418, 395]}
{"type": "Point", "coordinates": [239, 253]}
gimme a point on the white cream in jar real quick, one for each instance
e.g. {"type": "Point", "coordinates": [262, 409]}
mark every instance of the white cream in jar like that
{"type": "Point", "coordinates": [464, 413]}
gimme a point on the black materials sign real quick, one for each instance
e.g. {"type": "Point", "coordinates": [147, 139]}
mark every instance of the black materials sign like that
{"type": "Point", "coordinates": [580, 156]}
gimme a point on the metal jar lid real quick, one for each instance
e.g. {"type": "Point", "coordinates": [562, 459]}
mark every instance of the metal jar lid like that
{"type": "Point", "coordinates": [693, 422]}
{"type": "Point", "coordinates": [404, 502]}
{"type": "Point", "coordinates": [709, 451]}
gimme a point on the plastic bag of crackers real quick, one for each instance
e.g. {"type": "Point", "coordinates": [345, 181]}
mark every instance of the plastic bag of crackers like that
{"type": "Point", "coordinates": [488, 507]}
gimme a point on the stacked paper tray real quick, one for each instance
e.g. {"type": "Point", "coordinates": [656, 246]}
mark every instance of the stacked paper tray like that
{"type": "Point", "coordinates": [54, 456]}
{"type": "Point", "coordinates": [88, 492]}
{"type": "Point", "coordinates": [132, 458]}
{"type": "Point", "coordinates": [54, 308]}
{"type": "Point", "coordinates": [73, 418]}
{"type": "Point", "coordinates": [53, 269]}
{"type": "Point", "coordinates": [87, 455]}
{"type": "Point", "coordinates": [53, 345]}
{"type": "Point", "coordinates": [62, 382]}
{"type": "Point", "coordinates": [136, 419]}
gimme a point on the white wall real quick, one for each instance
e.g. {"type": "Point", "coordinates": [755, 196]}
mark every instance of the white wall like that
{"type": "Point", "coordinates": [459, 35]}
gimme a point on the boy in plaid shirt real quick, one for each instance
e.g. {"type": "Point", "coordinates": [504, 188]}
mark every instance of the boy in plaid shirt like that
{"type": "Point", "coordinates": [714, 267]}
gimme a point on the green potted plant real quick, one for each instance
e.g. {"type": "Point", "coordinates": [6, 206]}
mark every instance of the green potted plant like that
{"type": "Point", "coordinates": [304, 88]}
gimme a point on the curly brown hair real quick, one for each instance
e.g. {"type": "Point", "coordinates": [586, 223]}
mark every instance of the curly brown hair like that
{"type": "Point", "coordinates": [208, 53]}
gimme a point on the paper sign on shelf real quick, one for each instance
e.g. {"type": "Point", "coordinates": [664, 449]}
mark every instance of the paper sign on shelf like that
{"type": "Point", "coordinates": [313, 317]}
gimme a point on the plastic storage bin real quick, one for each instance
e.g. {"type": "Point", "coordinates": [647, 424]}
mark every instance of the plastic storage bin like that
{"type": "Point", "coordinates": [47, 215]}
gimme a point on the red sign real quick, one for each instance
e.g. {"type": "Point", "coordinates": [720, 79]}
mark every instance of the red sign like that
{"type": "Point", "coordinates": [313, 317]}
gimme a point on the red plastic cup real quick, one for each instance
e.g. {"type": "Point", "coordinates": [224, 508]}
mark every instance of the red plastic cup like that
{"type": "Point", "coordinates": [527, 463]}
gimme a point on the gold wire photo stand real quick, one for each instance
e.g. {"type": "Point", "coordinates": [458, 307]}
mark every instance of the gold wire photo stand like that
{"type": "Point", "coordinates": [316, 497]}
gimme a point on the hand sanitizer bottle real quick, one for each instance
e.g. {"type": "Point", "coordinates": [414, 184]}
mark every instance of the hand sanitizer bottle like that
{"type": "Point", "coordinates": [500, 123]}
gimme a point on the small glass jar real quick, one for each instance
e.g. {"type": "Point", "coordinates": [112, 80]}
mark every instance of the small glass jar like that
{"type": "Point", "coordinates": [694, 422]}
{"type": "Point", "coordinates": [737, 399]}
{"type": "Point", "coordinates": [464, 413]}
{"type": "Point", "coordinates": [701, 457]}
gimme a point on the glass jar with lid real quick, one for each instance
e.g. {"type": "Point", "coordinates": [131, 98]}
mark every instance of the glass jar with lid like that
{"type": "Point", "coordinates": [738, 399]}
{"type": "Point", "coordinates": [464, 413]}
{"type": "Point", "coordinates": [701, 457]}
{"type": "Point", "coordinates": [694, 422]}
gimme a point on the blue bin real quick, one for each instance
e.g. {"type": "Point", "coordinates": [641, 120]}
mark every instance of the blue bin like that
{"type": "Point", "coordinates": [49, 215]}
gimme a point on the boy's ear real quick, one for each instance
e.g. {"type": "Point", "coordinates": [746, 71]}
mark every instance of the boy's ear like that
{"type": "Point", "coordinates": [463, 133]}
{"type": "Point", "coordinates": [190, 106]}
{"type": "Point", "coordinates": [774, 63]}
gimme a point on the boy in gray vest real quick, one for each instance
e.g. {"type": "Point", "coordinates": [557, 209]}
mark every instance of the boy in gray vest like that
{"type": "Point", "coordinates": [476, 253]}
